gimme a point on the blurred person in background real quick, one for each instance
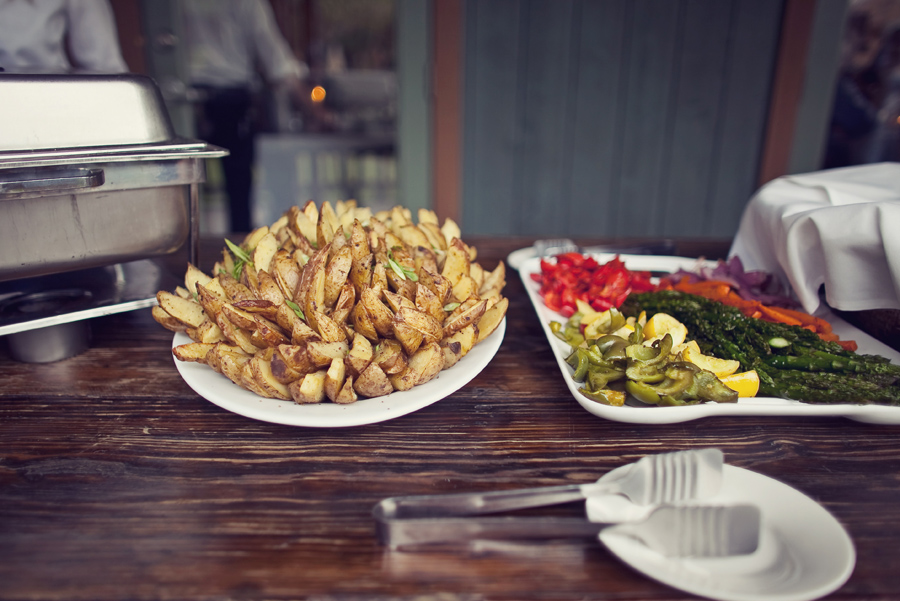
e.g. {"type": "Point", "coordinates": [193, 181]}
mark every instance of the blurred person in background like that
{"type": "Point", "coordinates": [885, 144]}
{"type": "Point", "coordinates": [229, 44]}
{"type": "Point", "coordinates": [869, 52]}
{"type": "Point", "coordinates": [59, 36]}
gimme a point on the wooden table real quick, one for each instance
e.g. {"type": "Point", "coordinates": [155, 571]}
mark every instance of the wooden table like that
{"type": "Point", "coordinates": [117, 481]}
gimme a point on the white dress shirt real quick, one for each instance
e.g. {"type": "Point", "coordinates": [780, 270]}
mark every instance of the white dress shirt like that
{"type": "Point", "coordinates": [225, 40]}
{"type": "Point", "coordinates": [59, 36]}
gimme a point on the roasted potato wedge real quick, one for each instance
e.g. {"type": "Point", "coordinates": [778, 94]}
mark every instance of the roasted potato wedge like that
{"type": "Point", "coordinates": [360, 354]}
{"type": "Point", "coordinates": [410, 339]}
{"type": "Point", "coordinates": [230, 362]}
{"type": "Point", "coordinates": [390, 357]}
{"type": "Point", "coordinates": [428, 302]}
{"type": "Point", "coordinates": [428, 326]}
{"type": "Point", "coordinates": [301, 223]}
{"type": "Point", "coordinates": [264, 251]}
{"type": "Point", "coordinates": [286, 272]}
{"type": "Point", "coordinates": [456, 265]}
{"type": "Point", "coordinates": [493, 282]}
{"type": "Point", "coordinates": [457, 346]}
{"type": "Point", "coordinates": [335, 378]}
{"type": "Point", "coordinates": [261, 367]}
{"type": "Point", "coordinates": [188, 312]}
{"type": "Point", "coordinates": [210, 301]}
{"type": "Point", "coordinates": [258, 306]}
{"type": "Point", "coordinates": [491, 319]}
{"type": "Point", "coordinates": [283, 372]}
{"type": "Point", "coordinates": [234, 290]}
{"type": "Point", "coordinates": [380, 316]}
{"type": "Point", "coordinates": [192, 276]}
{"type": "Point", "coordinates": [194, 352]}
{"type": "Point", "coordinates": [468, 316]}
{"type": "Point", "coordinates": [336, 273]}
{"type": "Point", "coordinates": [329, 330]}
{"type": "Point", "coordinates": [207, 332]}
{"type": "Point", "coordinates": [345, 303]}
{"type": "Point", "coordinates": [424, 365]}
{"type": "Point", "coordinates": [166, 320]}
{"type": "Point", "coordinates": [310, 389]}
{"type": "Point", "coordinates": [302, 333]}
{"type": "Point", "coordinates": [297, 359]}
{"type": "Point", "coordinates": [373, 382]}
{"type": "Point", "coordinates": [321, 353]}
{"type": "Point", "coordinates": [254, 237]}
{"type": "Point", "coordinates": [269, 290]}
{"type": "Point", "coordinates": [347, 393]}
{"type": "Point", "coordinates": [362, 323]}
{"type": "Point", "coordinates": [451, 230]}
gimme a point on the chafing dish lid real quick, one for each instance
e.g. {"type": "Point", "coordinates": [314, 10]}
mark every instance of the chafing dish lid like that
{"type": "Point", "coordinates": [66, 119]}
{"type": "Point", "coordinates": [44, 111]}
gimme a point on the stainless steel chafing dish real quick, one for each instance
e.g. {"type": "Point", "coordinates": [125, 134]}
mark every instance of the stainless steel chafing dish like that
{"type": "Point", "coordinates": [98, 204]}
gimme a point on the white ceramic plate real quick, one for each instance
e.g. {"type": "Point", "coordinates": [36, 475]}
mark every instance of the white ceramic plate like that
{"type": "Point", "coordinates": [221, 391]}
{"type": "Point", "coordinates": [804, 553]}
{"type": "Point", "coordinates": [877, 414]}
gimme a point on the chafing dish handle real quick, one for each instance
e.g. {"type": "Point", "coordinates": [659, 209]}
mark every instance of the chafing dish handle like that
{"type": "Point", "coordinates": [53, 179]}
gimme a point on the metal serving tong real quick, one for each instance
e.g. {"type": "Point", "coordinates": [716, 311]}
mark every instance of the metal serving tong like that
{"type": "Point", "coordinates": [654, 480]}
{"type": "Point", "coordinates": [558, 246]}
{"type": "Point", "coordinates": [673, 531]}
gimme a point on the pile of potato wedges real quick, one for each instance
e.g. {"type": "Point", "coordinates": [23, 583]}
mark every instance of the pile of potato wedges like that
{"type": "Point", "coordinates": [333, 302]}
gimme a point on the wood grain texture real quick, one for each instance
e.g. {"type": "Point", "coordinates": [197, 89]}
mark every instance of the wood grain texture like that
{"type": "Point", "coordinates": [119, 482]}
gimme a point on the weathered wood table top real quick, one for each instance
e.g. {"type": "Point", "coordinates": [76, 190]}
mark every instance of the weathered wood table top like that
{"type": "Point", "coordinates": [117, 481]}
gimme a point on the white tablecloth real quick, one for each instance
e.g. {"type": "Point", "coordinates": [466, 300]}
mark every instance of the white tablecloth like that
{"type": "Point", "coordinates": [839, 228]}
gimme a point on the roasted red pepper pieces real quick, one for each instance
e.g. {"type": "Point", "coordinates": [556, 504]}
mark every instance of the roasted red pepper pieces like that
{"type": "Point", "coordinates": [574, 276]}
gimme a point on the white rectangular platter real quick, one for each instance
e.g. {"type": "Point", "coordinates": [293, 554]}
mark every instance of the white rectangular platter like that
{"type": "Point", "coordinates": [758, 406]}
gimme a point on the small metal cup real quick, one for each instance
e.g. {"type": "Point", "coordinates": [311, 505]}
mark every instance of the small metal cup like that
{"type": "Point", "coordinates": [53, 343]}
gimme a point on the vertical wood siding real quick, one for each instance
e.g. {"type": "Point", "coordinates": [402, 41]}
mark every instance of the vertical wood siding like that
{"type": "Point", "coordinates": [614, 117]}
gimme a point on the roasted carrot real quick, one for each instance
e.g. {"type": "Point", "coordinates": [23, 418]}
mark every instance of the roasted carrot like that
{"type": "Point", "coordinates": [820, 324]}
{"type": "Point", "coordinates": [775, 314]}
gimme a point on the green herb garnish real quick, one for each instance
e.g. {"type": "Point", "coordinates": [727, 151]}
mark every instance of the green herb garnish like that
{"type": "Point", "coordinates": [401, 271]}
{"type": "Point", "coordinates": [296, 309]}
{"type": "Point", "coordinates": [241, 256]}
{"type": "Point", "coordinates": [237, 251]}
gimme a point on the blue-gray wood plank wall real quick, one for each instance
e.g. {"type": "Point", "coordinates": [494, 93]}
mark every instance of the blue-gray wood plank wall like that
{"type": "Point", "coordinates": [614, 117]}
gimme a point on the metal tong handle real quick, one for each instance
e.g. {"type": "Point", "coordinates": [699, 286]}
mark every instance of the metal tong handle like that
{"type": "Point", "coordinates": [462, 504]}
{"type": "Point", "coordinates": [412, 532]}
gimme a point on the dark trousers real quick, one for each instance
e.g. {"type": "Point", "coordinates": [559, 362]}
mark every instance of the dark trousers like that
{"type": "Point", "coordinates": [227, 120]}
